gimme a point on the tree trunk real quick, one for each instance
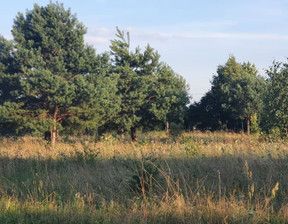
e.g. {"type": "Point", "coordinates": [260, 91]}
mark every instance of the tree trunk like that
{"type": "Point", "coordinates": [122, 133]}
{"type": "Point", "coordinates": [133, 131]}
{"type": "Point", "coordinates": [248, 126]}
{"type": "Point", "coordinates": [53, 136]}
{"type": "Point", "coordinates": [54, 128]}
{"type": "Point", "coordinates": [167, 128]}
{"type": "Point", "coordinates": [242, 126]}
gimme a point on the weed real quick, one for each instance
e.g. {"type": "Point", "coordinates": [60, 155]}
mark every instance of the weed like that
{"type": "Point", "coordinates": [237, 179]}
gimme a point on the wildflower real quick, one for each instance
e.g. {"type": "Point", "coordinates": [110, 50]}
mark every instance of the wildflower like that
{"type": "Point", "coordinates": [77, 195]}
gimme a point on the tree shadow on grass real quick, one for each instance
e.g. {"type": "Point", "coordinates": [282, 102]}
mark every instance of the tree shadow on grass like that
{"type": "Point", "coordinates": [95, 182]}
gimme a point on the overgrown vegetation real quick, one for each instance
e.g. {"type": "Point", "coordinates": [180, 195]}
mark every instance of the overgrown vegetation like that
{"type": "Point", "coordinates": [53, 85]}
{"type": "Point", "coordinates": [197, 177]}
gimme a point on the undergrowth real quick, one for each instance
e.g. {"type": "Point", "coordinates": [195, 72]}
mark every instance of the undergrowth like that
{"type": "Point", "coordinates": [189, 178]}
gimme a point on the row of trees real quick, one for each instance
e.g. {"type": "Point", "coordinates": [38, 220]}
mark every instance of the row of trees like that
{"type": "Point", "coordinates": [240, 99]}
{"type": "Point", "coordinates": [51, 82]}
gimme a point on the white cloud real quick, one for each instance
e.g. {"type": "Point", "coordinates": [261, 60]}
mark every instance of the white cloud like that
{"type": "Point", "coordinates": [247, 36]}
{"type": "Point", "coordinates": [96, 40]}
{"type": "Point", "coordinates": [102, 31]}
{"type": "Point", "coordinates": [161, 36]}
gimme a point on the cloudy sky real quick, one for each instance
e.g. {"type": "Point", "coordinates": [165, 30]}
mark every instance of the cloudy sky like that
{"type": "Point", "coordinates": [193, 37]}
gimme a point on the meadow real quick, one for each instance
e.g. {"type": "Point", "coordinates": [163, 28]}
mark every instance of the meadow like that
{"type": "Point", "coordinates": [190, 178]}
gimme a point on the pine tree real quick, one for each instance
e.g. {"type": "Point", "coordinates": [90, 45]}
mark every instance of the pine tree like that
{"type": "Point", "coordinates": [8, 69]}
{"type": "Point", "coordinates": [150, 91]}
{"type": "Point", "coordinates": [62, 81]}
{"type": "Point", "coordinates": [9, 84]}
{"type": "Point", "coordinates": [170, 93]}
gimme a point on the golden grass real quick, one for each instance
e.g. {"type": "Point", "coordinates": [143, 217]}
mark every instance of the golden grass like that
{"type": "Point", "coordinates": [194, 178]}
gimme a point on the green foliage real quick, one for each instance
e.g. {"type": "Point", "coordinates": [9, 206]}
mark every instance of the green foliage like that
{"type": "Point", "coordinates": [255, 128]}
{"type": "Point", "coordinates": [235, 96]}
{"type": "Point", "coordinates": [136, 70]}
{"type": "Point", "coordinates": [145, 174]}
{"type": "Point", "coordinates": [50, 81]}
{"type": "Point", "coordinates": [60, 83]}
{"type": "Point", "coordinates": [171, 97]}
{"type": "Point", "coordinates": [8, 69]}
{"type": "Point", "coordinates": [176, 129]}
{"type": "Point", "coordinates": [274, 118]}
{"type": "Point", "coordinates": [88, 156]}
{"type": "Point", "coordinates": [189, 145]}
{"type": "Point", "coordinates": [150, 91]}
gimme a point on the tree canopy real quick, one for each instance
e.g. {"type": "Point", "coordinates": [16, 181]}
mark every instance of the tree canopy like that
{"type": "Point", "coordinates": [51, 82]}
{"type": "Point", "coordinates": [235, 96]}
{"type": "Point", "coordinates": [275, 112]}
{"type": "Point", "coordinates": [60, 80]}
{"type": "Point", "coordinates": [150, 91]}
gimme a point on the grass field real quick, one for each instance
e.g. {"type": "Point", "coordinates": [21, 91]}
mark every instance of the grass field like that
{"type": "Point", "coordinates": [194, 178]}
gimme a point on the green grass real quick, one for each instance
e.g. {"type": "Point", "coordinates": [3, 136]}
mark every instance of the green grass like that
{"type": "Point", "coordinates": [194, 178]}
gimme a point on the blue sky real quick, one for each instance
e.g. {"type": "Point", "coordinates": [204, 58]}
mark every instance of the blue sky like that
{"type": "Point", "coordinates": [193, 37]}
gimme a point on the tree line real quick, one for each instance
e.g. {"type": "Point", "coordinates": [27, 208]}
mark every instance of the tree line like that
{"type": "Point", "coordinates": [51, 83]}
{"type": "Point", "coordinates": [241, 100]}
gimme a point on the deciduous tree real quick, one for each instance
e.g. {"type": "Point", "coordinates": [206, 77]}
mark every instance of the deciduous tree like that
{"type": "Point", "coordinates": [236, 94]}
{"type": "Point", "coordinates": [275, 115]}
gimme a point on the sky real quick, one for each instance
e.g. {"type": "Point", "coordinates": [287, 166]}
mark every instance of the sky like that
{"type": "Point", "coordinates": [193, 37]}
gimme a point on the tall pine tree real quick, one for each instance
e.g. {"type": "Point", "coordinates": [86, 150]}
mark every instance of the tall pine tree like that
{"type": "Point", "coordinates": [62, 81]}
{"type": "Point", "coordinates": [150, 91]}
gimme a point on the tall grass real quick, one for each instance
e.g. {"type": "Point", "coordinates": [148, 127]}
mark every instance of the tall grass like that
{"type": "Point", "coordinates": [194, 178]}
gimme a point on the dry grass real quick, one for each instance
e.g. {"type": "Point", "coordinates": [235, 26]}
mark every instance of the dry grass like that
{"type": "Point", "coordinates": [196, 178]}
